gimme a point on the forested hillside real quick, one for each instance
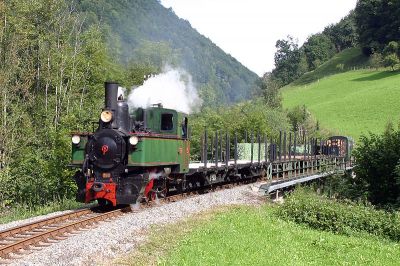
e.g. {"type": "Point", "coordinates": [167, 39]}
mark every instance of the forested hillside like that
{"type": "Point", "coordinates": [143, 34]}
{"type": "Point", "coordinates": [54, 58]}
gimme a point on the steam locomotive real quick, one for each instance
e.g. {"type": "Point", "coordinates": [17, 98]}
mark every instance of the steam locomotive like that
{"type": "Point", "coordinates": [131, 156]}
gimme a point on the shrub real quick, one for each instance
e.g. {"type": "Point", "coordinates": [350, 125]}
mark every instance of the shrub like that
{"type": "Point", "coordinates": [377, 158]}
{"type": "Point", "coordinates": [343, 217]}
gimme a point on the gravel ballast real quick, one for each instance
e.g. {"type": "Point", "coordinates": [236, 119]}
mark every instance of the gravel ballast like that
{"type": "Point", "coordinates": [115, 238]}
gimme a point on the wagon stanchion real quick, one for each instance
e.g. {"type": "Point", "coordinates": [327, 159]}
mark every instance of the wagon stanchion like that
{"type": "Point", "coordinates": [227, 149]}
{"type": "Point", "coordinates": [329, 148]}
{"type": "Point", "coordinates": [311, 154]}
{"type": "Point", "coordinates": [321, 145]}
{"type": "Point", "coordinates": [290, 146]}
{"type": "Point", "coordinates": [252, 146]}
{"type": "Point", "coordinates": [265, 148]}
{"type": "Point", "coordinates": [202, 148]}
{"type": "Point", "coordinates": [205, 149]}
{"type": "Point", "coordinates": [295, 144]}
{"type": "Point", "coordinates": [284, 146]}
{"type": "Point", "coordinates": [280, 145]}
{"type": "Point", "coordinates": [221, 156]}
{"type": "Point", "coordinates": [272, 151]}
{"type": "Point", "coordinates": [236, 150]}
{"type": "Point", "coordinates": [316, 148]}
{"type": "Point", "coordinates": [259, 147]}
{"type": "Point", "coordinates": [212, 144]}
{"type": "Point", "coordinates": [216, 149]}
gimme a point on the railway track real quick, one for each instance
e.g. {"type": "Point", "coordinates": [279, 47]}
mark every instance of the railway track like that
{"type": "Point", "coordinates": [22, 239]}
{"type": "Point", "coordinates": [26, 238]}
{"type": "Point", "coordinates": [29, 237]}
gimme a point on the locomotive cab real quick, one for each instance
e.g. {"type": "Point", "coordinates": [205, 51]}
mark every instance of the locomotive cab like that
{"type": "Point", "coordinates": [130, 156]}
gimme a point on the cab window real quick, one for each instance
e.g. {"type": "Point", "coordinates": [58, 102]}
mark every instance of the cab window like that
{"type": "Point", "coordinates": [167, 121]}
{"type": "Point", "coordinates": [185, 128]}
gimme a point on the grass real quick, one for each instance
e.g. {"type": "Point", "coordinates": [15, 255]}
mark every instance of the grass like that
{"type": "Point", "coordinates": [163, 239]}
{"type": "Point", "coordinates": [256, 236]}
{"type": "Point", "coordinates": [351, 103]}
{"type": "Point", "coordinates": [24, 212]}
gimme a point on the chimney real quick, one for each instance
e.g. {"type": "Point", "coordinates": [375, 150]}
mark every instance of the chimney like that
{"type": "Point", "coordinates": [111, 95]}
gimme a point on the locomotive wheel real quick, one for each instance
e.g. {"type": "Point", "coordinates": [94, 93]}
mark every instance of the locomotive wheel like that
{"type": "Point", "coordinates": [152, 196]}
{"type": "Point", "coordinates": [102, 202]}
{"type": "Point", "coordinates": [157, 193]}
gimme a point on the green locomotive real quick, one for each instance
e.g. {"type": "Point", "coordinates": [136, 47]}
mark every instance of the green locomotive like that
{"type": "Point", "coordinates": [130, 156]}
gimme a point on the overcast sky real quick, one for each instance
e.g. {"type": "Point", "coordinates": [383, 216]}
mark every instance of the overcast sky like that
{"type": "Point", "coordinates": [248, 29]}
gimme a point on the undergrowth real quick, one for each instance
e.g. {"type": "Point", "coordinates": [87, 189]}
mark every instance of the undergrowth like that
{"type": "Point", "coordinates": [341, 217]}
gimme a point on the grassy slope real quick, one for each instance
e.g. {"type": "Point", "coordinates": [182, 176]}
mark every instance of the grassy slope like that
{"type": "Point", "coordinates": [346, 60]}
{"type": "Point", "coordinates": [255, 236]}
{"type": "Point", "coordinates": [350, 103]}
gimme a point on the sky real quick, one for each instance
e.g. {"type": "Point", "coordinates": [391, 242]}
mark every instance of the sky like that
{"type": "Point", "coordinates": [249, 29]}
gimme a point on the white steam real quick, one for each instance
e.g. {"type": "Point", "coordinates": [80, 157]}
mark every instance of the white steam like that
{"type": "Point", "coordinates": [173, 89]}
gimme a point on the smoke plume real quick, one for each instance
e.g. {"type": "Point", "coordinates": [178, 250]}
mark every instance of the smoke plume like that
{"type": "Point", "coordinates": [173, 88]}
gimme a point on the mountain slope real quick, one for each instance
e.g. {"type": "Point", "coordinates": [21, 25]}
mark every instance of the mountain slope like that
{"type": "Point", "coordinates": [133, 23]}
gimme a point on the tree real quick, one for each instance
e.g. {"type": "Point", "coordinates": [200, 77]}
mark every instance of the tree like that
{"type": "Point", "coordinates": [377, 23]}
{"type": "Point", "coordinates": [391, 55]}
{"type": "Point", "coordinates": [51, 72]}
{"type": "Point", "coordinates": [343, 34]}
{"type": "Point", "coordinates": [270, 91]}
{"type": "Point", "coordinates": [391, 60]}
{"type": "Point", "coordinates": [377, 60]}
{"type": "Point", "coordinates": [318, 49]}
{"type": "Point", "coordinates": [288, 59]}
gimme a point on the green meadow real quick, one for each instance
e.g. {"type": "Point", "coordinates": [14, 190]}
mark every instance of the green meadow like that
{"type": "Point", "coordinates": [257, 236]}
{"type": "Point", "coordinates": [350, 103]}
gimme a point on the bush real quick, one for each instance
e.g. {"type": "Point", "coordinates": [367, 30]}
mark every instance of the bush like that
{"type": "Point", "coordinates": [377, 158]}
{"type": "Point", "coordinates": [339, 217]}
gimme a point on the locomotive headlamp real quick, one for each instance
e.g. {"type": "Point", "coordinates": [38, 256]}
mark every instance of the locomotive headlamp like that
{"type": "Point", "coordinates": [76, 139]}
{"type": "Point", "coordinates": [106, 116]}
{"type": "Point", "coordinates": [133, 140]}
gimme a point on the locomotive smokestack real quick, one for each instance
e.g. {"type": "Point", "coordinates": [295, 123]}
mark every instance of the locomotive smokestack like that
{"type": "Point", "coordinates": [111, 89]}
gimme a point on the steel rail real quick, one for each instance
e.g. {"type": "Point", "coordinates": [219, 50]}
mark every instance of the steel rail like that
{"type": "Point", "coordinates": [56, 233]}
{"type": "Point", "coordinates": [49, 221]}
